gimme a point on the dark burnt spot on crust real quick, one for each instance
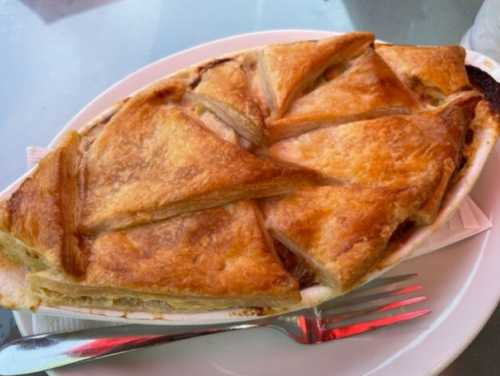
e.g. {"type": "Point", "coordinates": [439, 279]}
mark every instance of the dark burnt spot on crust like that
{"type": "Point", "coordinates": [172, 91]}
{"type": "Point", "coordinates": [469, 136]}
{"type": "Point", "coordinates": [202, 69]}
{"type": "Point", "coordinates": [402, 232]}
{"type": "Point", "coordinates": [195, 82]}
{"type": "Point", "coordinates": [486, 85]}
{"type": "Point", "coordinates": [462, 163]}
{"type": "Point", "coordinates": [214, 63]}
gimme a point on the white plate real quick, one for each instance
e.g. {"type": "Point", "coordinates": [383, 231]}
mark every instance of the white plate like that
{"type": "Point", "coordinates": [460, 282]}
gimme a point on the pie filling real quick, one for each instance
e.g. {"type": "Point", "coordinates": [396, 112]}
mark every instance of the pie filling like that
{"type": "Point", "coordinates": [57, 293]}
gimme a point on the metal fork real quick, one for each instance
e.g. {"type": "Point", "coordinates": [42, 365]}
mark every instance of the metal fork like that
{"type": "Point", "coordinates": [362, 310]}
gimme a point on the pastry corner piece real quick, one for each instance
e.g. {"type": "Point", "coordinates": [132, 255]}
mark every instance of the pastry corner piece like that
{"type": "Point", "coordinates": [153, 161]}
{"type": "Point", "coordinates": [286, 70]}
{"type": "Point", "coordinates": [212, 259]}
{"type": "Point", "coordinates": [341, 231]}
{"type": "Point", "coordinates": [362, 88]}
{"type": "Point", "coordinates": [224, 88]}
{"type": "Point", "coordinates": [35, 220]}
{"type": "Point", "coordinates": [15, 292]}
{"type": "Point", "coordinates": [433, 72]}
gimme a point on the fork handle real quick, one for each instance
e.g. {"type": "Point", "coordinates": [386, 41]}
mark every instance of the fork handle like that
{"type": "Point", "coordinates": [46, 351]}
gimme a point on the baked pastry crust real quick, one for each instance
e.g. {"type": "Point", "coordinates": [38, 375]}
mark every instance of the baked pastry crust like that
{"type": "Point", "coordinates": [390, 170]}
{"type": "Point", "coordinates": [153, 162]}
{"type": "Point", "coordinates": [38, 220]}
{"type": "Point", "coordinates": [433, 72]}
{"type": "Point", "coordinates": [224, 89]}
{"type": "Point", "coordinates": [393, 151]}
{"type": "Point", "coordinates": [342, 231]}
{"type": "Point", "coordinates": [213, 258]}
{"type": "Point", "coordinates": [287, 69]}
{"type": "Point", "coordinates": [345, 146]}
{"type": "Point", "coordinates": [367, 88]}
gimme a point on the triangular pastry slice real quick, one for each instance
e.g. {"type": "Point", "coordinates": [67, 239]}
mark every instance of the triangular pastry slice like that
{"type": "Point", "coordinates": [287, 69]}
{"type": "Point", "coordinates": [397, 151]}
{"type": "Point", "coordinates": [153, 161]}
{"type": "Point", "coordinates": [224, 89]}
{"type": "Point", "coordinates": [341, 231]}
{"type": "Point", "coordinates": [367, 89]}
{"type": "Point", "coordinates": [210, 259]}
{"type": "Point", "coordinates": [433, 72]}
{"type": "Point", "coordinates": [37, 222]}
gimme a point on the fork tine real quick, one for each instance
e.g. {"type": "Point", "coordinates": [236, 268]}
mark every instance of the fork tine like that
{"type": "Point", "coordinates": [354, 300]}
{"type": "Point", "coordinates": [348, 315]}
{"type": "Point", "coordinates": [330, 334]}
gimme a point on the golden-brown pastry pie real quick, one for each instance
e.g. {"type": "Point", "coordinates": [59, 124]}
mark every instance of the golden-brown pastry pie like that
{"type": "Point", "coordinates": [248, 180]}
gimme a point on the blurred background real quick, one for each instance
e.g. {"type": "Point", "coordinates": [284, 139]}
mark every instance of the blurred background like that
{"type": "Point", "coordinates": [57, 55]}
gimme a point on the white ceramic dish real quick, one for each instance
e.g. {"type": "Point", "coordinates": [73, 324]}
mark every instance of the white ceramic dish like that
{"type": "Point", "coordinates": [187, 58]}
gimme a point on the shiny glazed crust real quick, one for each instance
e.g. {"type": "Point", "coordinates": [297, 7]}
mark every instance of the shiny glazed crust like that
{"type": "Point", "coordinates": [153, 162]}
{"type": "Point", "coordinates": [340, 230]}
{"type": "Point", "coordinates": [219, 253]}
{"type": "Point", "coordinates": [367, 88]}
{"type": "Point", "coordinates": [287, 69]}
{"type": "Point", "coordinates": [432, 72]}
{"type": "Point", "coordinates": [343, 143]}
{"type": "Point", "coordinates": [224, 89]}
